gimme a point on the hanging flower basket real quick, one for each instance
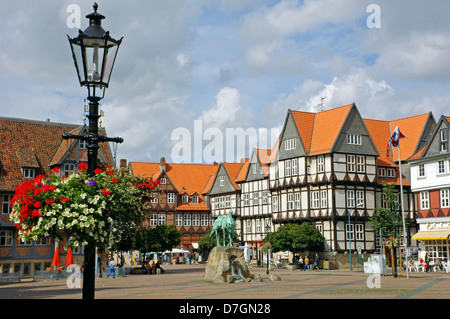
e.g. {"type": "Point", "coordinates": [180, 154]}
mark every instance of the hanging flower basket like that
{"type": "Point", "coordinates": [393, 241]}
{"type": "Point", "coordinates": [78, 208]}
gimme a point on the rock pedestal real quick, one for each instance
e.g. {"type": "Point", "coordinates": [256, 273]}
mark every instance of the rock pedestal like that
{"type": "Point", "coordinates": [227, 264]}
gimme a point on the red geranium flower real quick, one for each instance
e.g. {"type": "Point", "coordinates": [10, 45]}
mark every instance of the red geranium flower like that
{"type": "Point", "coordinates": [105, 192]}
{"type": "Point", "coordinates": [49, 201]}
{"type": "Point", "coordinates": [98, 171]}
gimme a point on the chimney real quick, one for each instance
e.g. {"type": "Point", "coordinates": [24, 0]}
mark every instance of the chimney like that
{"type": "Point", "coordinates": [123, 163]}
{"type": "Point", "coordinates": [162, 163]}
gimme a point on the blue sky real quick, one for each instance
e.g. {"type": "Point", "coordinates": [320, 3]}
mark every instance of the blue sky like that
{"type": "Point", "coordinates": [228, 63]}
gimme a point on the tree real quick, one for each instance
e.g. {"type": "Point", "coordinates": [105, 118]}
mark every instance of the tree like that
{"type": "Point", "coordinates": [158, 239]}
{"type": "Point", "coordinates": [386, 221]}
{"type": "Point", "coordinates": [296, 238]}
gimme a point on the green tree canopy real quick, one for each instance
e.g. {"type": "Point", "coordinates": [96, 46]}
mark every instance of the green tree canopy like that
{"type": "Point", "coordinates": [297, 238]}
{"type": "Point", "coordinates": [158, 239]}
{"type": "Point", "coordinates": [388, 220]}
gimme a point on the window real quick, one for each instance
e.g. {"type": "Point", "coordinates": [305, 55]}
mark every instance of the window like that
{"type": "Point", "coordinates": [227, 201]}
{"type": "Point", "coordinates": [289, 144]}
{"type": "Point", "coordinates": [421, 170]}
{"type": "Point", "coordinates": [28, 172]}
{"type": "Point", "coordinates": [185, 199]}
{"type": "Point", "coordinates": [297, 201]}
{"type": "Point", "coordinates": [255, 198]}
{"type": "Point", "coordinates": [445, 198]}
{"type": "Point", "coordinates": [161, 219]}
{"type": "Point", "coordinates": [294, 167]}
{"type": "Point", "coordinates": [350, 198]}
{"type": "Point", "coordinates": [170, 198]}
{"type": "Point", "coordinates": [360, 164]}
{"type": "Point", "coordinates": [290, 201]}
{"type": "Point", "coordinates": [258, 226]}
{"type": "Point", "coordinates": [264, 197]}
{"type": "Point", "coordinates": [443, 139]}
{"type": "Point", "coordinates": [246, 201]}
{"type": "Point", "coordinates": [6, 206]}
{"type": "Point", "coordinates": [163, 180]}
{"type": "Point", "coordinates": [351, 163]}
{"type": "Point", "coordinates": [381, 172]}
{"type": "Point", "coordinates": [221, 181]}
{"type": "Point", "coordinates": [83, 144]}
{"type": "Point", "coordinates": [323, 199]}
{"type": "Point", "coordinates": [255, 169]}
{"type": "Point", "coordinates": [153, 219]}
{"type": "Point", "coordinates": [287, 168]}
{"type": "Point", "coordinates": [204, 219]}
{"type": "Point", "coordinates": [249, 226]}
{"type": "Point", "coordinates": [424, 200]}
{"type": "Point", "coordinates": [6, 237]}
{"type": "Point", "coordinates": [178, 220]}
{"type": "Point", "coordinates": [354, 139]}
{"type": "Point", "coordinates": [359, 198]}
{"type": "Point", "coordinates": [441, 167]}
{"type": "Point", "coordinates": [68, 168]}
{"type": "Point", "coordinates": [275, 204]}
{"type": "Point", "coordinates": [196, 220]}
{"type": "Point", "coordinates": [359, 231]}
{"type": "Point", "coordinates": [391, 172]}
{"type": "Point", "coordinates": [187, 220]}
{"type": "Point", "coordinates": [320, 164]}
{"type": "Point", "coordinates": [194, 199]}
{"type": "Point", "coordinates": [350, 232]}
{"type": "Point", "coordinates": [315, 203]}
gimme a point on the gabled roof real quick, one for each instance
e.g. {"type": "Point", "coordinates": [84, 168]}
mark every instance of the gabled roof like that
{"type": "Point", "coordinates": [186, 178]}
{"type": "Point", "coordinates": [319, 131]}
{"type": "Point", "coordinates": [233, 170]}
{"type": "Point", "coordinates": [412, 127]}
{"type": "Point", "coordinates": [443, 120]}
{"type": "Point", "coordinates": [27, 143]}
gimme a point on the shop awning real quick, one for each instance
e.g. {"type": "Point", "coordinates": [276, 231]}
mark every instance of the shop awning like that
{"type": "Point", "coordinates": [431, 234]}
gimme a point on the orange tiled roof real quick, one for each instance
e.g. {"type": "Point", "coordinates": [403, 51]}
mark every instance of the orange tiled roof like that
{"type": "Point", "coordinates": [319, 131]}
{"type": "Point", "coordinates": [243, 172]}
{"type": "Point", "coordinates": [233, 170]}
{"type": "Point", "coordinates": [412, 128]}
{"type": "Point", "coordinates": [27, 143]}
{"type": "Point", "coordinates": [186, 178]}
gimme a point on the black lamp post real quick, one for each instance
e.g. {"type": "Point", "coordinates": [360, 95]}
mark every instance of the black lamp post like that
{"type": "Point", "coordinates": [94, 53]}
{"type": "Point", "coordinates": [268, 247]}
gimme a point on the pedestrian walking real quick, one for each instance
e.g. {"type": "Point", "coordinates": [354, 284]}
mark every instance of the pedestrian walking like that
{"type": "Point", "coordinates": [111, 269]}
{"type": "Point", "coordinates": [307, 263]}
{"type": "Point", "coordinates": [427, 261]}
{"type": "Point", "coordinates": [300, 263]}
{"type": "Point", "coordinates": [316, 262]}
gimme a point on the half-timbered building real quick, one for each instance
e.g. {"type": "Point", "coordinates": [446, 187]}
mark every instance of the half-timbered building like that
{"type": "Point", "coordinates": [181, 202]}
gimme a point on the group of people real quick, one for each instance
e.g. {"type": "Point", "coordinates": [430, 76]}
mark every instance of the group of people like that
{"type": "Point", "coordinates": [305, 263]}
{"type": "Point", "coordinates": [429, 264]}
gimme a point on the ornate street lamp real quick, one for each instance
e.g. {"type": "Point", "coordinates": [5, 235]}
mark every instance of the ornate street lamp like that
{"type": "Point", "coordinates": [94, 52]}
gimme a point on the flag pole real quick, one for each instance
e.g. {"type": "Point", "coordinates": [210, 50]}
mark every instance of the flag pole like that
{"type": "Point", "coordinates": [403, 211]}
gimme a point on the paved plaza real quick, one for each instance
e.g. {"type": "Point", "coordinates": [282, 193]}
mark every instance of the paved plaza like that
{"type": "Point", "coordinates": [187, 282]}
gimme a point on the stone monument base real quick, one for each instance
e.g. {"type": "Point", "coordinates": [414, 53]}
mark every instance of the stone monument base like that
{"type": "Point", "coordinates": [227, 264]}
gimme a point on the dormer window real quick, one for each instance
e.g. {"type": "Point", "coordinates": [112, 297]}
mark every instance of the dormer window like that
{"type": "Point", "coordinates": [185, 199]}
{"type": "Point", "coordinates": [163, 180]}
{"type": "Point", "coordinates": [289, 144]}
{"type": "Point", "coordinates": [194, 199]}
{"type": "Point", "coordinates": [443, 134]}
{"type": "Point", "coordinates": [354, 139]}
{"type": "Point", "coordinates": [83, 144]}
{"type": "Point", "coordinates": [28, 172]}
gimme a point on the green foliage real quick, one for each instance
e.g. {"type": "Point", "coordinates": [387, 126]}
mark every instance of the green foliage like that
{"type": "Point", "coordinates": [388, 220]}
{"type": "Point", "coordinates": [158, 239]}
{"type": "Point", "coordinates": [297, 238]}
{"type": "Point", "coordinates": [207, 243]}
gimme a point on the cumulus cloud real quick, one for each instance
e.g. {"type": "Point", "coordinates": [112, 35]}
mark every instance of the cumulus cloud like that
{"type": "Point", "coordinates": [225, 110]}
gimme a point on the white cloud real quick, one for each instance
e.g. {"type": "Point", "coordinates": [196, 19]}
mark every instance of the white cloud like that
{"type": "Point", "coordinates": [224, 112]}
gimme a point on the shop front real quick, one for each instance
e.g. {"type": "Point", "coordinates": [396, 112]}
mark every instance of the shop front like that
{"type": "Point", "coordinates": [433, 237]}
